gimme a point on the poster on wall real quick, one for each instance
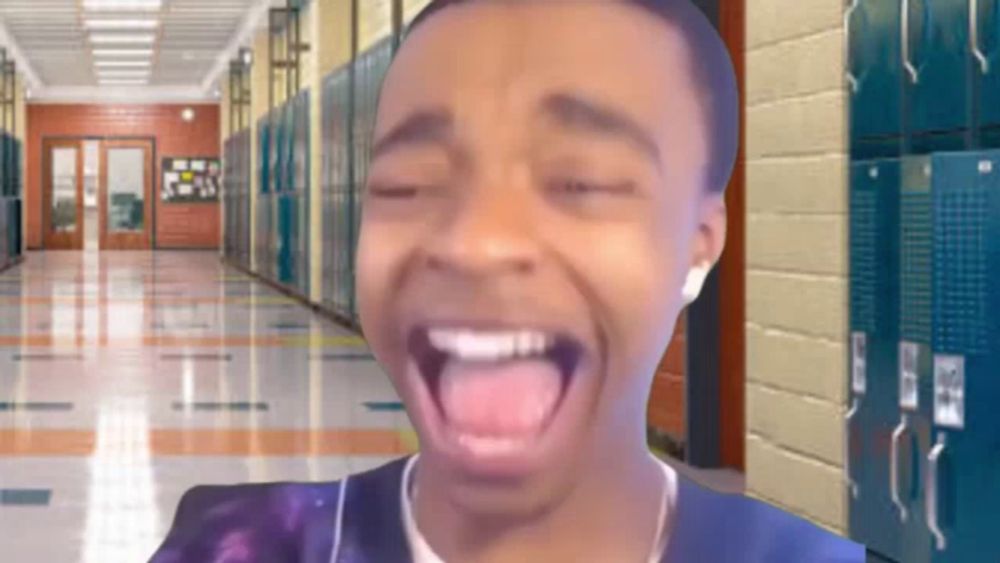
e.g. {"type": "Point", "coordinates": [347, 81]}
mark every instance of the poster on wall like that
{"type": "Point", "coordinates": [191, 180]}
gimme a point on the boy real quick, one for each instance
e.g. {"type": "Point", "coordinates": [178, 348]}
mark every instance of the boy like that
{"type": "Point", "coordinates": [545, 196]}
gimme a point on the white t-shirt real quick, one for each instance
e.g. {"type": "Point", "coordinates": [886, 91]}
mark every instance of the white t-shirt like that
{"type": "Point", "coordinates": [422, 553]}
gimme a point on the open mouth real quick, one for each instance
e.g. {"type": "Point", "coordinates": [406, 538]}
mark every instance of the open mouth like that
{"type": "Point", "coordinates": [497, 392]}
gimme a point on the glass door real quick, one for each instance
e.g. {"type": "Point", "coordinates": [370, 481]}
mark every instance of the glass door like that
{"type": "Point", "coordinates": [126, 195]}
{"type": "Point", "coordinates": [63, 217]}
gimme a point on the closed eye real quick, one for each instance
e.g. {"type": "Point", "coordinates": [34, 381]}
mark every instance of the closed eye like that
{"type": "Point", "coordinates": [393, 192]}
{"type": "Point", "coordinates": [571, 186]}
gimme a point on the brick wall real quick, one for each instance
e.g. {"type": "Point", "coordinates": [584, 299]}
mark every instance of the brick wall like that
{"type": "Point", "coordinates": [796, 257]}
{"type": "Point", "coordinates": [666, 400]}
{"type": "Point", "coordinates": [177, 225]}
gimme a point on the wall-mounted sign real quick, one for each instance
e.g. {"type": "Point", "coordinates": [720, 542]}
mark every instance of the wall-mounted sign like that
{"type": "Point", "coordinates": [191, 180]}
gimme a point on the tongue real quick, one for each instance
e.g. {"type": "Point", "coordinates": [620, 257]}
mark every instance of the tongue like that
{"type": "Point", "coordinates": [511, 398]}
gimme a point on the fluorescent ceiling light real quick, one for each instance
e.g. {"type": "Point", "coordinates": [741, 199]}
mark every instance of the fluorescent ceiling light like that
{"type": "Point", "coordinates": [123, 64]}
{"type": "Point", "coordinates": [110, 38]}
{"type": "Point", "coordinates": [124, 82]}
{"type": "Point", "coordinates": [123, 52]}
{"type": "Point", "coordinates": [121, 24]}
{"type": "Point", "coordinates": [122, 74]}
{"type": "Point", "coordinates": [122, 5]}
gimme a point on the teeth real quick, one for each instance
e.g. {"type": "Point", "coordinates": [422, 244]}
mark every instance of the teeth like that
{"type": "Point", "coordinates": [489, 446]}
{"type": "Point", "coordinates": [489, 346]}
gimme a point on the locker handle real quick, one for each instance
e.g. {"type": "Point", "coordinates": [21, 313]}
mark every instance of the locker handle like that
{"type": "Point", "coordinates": [904, 22]}
{"type": "Point", "coordinates": [932, 492]}
{"type": "Point", "coordinates": [894, 467]}
{"type": "Point", "coordinates": [848, 14]}
{"type": "Point", "coordinates": [852, 485]}
{"type": "Point", "coordinates": [977, 52]}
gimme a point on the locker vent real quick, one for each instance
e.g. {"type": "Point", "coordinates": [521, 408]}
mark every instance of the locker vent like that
{"type": "Point", "coordinates": [960, 279]}
{"type": "Point", "coordinates": [864, 263]}
{"type": "Point", "coordinates": [915, 266]}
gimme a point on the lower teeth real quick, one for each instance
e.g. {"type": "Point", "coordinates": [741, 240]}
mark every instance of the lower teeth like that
{"type": "Point", "coordinates": [491, 446]}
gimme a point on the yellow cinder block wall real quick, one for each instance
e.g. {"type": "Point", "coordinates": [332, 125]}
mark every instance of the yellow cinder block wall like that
{"type": "Point", "coordinates": [796, 257]}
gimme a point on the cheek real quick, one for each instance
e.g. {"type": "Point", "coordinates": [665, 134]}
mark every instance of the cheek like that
{"type": "Point", "coordinates": [637, 275]}
{"type": "Point", "coordinates": [379, 258]}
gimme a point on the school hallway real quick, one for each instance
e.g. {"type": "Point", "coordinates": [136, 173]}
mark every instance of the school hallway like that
{"type": "Point", "coordinates": [128, 378]}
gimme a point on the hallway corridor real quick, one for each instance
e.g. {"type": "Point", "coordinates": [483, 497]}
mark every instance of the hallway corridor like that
{"type": "Point", "coordinates": [127, 378]}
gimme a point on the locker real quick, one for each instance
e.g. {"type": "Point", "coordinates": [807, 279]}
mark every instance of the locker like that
{"type": "Point", "coordinates": [874, 77]}
{"type": "Point", "coordinates": [986, 71]}
{"type": "Point", "coordinates": [937, 74]}
{"type": "Point", "coordinates": [5, 257]}
{"type": "Point", "coordinates": [303, 157]}
{"type": "Point", "coordinates": [338, 219]}
{"type": "Point", "coordinates": [962, 489]}
{"type": "Point", "coordinates": [911, 437]}
{"type": "Point", "coordinates": [265, 165]}
{"type": "Point", "coordinates": [874, 310]}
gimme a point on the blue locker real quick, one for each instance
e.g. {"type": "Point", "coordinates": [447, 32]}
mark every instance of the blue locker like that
{"type": "Point", "coordinates": [963, 479]}
{"type": "Point", "coordinates": [986, 71]}
{"type": "Point", "coordinates": [265, 162]}
{"type": "Point", "coordinates": [874, 77]}
{"type": "Point", "coordinates": [301, 162]}
{"type": "Point", "coordinates": [937, 74]}
{"type": "Point", "coordinates": [285, 195]}
{"type": "Point", "coordinates": [874, 322]}
{"type": "Point", "coordinates": [911, 435]}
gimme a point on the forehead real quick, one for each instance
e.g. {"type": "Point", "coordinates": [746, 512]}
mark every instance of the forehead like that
{"type": "Point", "coordinates": [503, 56]}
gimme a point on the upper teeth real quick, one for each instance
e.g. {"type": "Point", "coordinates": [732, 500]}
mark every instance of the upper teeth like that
{"type": "Point", "coordinates": [489, 346]}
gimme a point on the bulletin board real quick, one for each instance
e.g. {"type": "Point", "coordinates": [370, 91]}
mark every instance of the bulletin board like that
{"type": "Point", "coordinates": [191, 180]}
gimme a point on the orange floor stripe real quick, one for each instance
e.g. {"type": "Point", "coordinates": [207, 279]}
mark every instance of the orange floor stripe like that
{"type": "Point", "coordinates": [44, 443]}
{"type": "Point", "coordinates": [272, 442]}
{"type": "Point", "coordinates": [218, 442]}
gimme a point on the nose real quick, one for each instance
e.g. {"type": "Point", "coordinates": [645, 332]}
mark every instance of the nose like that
{"type": "Point", "coordinates": [490, 232]}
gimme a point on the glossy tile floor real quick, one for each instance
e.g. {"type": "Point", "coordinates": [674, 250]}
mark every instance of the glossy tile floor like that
{"type": "Point", "coordinates": [127, 378]}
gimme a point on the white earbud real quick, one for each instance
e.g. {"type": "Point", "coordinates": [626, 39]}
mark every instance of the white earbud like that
{"type": "Point", "coordinates": [695, 281]}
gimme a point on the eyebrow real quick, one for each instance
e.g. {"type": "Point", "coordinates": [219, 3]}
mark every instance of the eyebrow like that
{"type": "Point", "coordinates": [575, 112]}
{"type": "Point", "coordinates": [426, 126]}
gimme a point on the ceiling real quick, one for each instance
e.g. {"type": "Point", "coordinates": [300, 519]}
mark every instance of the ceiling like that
{"type": "Point", "coordinates": [139, 49]}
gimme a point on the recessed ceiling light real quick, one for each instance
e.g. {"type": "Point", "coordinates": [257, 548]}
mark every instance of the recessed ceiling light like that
{"type": "Point", "coordinates": [122, 5]}
{"type": "Point", "coordinates": [123, 52]}
{"type": "Point", "coordinates": [109, 38]}
{"type": "Point", "coordinates": [121, 24]}
{"type": "Point", "coordinates": [123, 64]}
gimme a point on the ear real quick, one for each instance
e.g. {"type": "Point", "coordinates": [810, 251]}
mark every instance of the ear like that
{"type": "Point", "coordinates": [708, 243]}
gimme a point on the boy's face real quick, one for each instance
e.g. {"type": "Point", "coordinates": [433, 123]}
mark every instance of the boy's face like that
{"type": "Point", "coordinates": [535, 202]}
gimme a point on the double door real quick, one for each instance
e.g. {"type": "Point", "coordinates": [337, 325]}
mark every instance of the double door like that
{"type": "Point", "coordinates": [113, 178]}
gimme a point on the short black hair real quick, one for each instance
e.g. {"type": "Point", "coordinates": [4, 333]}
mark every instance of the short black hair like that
{"type": "Point", "coordinates": [711, 66]}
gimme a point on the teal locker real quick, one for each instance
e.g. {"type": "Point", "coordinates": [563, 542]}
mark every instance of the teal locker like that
{"type": "Point", "coordinates": [874, 324]}
{"type": "Point", "coordinates": [962, 488]}
{"type": "Point", "coordinates": [937, 74]}
{"type": "Point", "coordinates": [338, 250]}
{"type": "Point", "coordinates": [874, 77]}
{"type": "Point", "coordinates": [985, 45]}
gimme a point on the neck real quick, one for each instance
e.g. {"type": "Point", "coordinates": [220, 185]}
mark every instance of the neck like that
{"type": "Point", "coordinates": [610, 513]}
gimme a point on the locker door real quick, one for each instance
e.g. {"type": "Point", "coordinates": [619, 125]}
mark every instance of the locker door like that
{"type": "Point", "coordinates": [986, 69]}
{"type": "Point", "coordinates": [910, 439]}
{"type": "Point", "coordinates": [874, 310]}
{"type": "Point", "coordinates": [875, 78]}
{"type": "Point", "coordinates": [963, 508]}
{"type": "Point", "coordinates": [938, 71]}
